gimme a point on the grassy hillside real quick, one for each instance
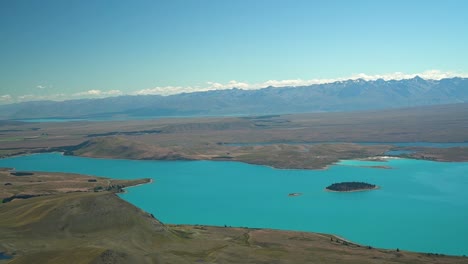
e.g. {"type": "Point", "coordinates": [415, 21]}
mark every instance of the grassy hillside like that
{"type": "Point", "coordinates": [71, 223]}
{"type": "Point", "coordinates": [47, 183]}
{"type": "Point", "coordinates": [78, 228]}
{"type": "Point", "coordinates": [119, 147]}
{"type": "Point", "coordinates": [74, 224]}
{"type": "Point", "coordinates": [102, 228]}
{"type": "Point", "coordinates": [318, 156]}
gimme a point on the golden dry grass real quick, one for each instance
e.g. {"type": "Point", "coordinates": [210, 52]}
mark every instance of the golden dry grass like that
{"type": "Point", "coordinates": [101, 228]}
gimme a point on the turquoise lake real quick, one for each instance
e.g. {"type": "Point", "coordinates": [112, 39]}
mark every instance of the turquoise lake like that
{"type": "Point", "coordinates": [421, 205]}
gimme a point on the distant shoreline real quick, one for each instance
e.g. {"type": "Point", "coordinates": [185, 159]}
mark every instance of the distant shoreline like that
{"type": "Point", "coordinates": [325, 167]}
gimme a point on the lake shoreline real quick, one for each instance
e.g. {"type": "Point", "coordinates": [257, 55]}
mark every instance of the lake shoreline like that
{"type": "Point", "coordinates": [377, 158]}
{"type": "Point", "coordinates": [124, 189]}
{"type": "Point", "coordinates": [360, 190]}
{"type": "Point", "coordinates": [127, 168]}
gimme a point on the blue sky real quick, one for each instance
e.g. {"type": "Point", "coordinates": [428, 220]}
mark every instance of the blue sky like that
{"type": "Point", "coordinates": [62, 49]}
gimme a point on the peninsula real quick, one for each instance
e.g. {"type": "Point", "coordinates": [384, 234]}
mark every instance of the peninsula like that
{"type": "Point", "coordinates": [70, 220]}
{"type": "Point", "coordinates": [288, 141]}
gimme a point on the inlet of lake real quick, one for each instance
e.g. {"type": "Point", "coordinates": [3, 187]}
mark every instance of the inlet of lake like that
{"type": "Point", "coordinates": [420, 206]}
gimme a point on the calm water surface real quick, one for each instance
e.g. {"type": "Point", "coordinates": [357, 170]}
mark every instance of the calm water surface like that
{"type": "Point", "coordinates": [421, 206]}
{"type": "Point", "coordinates": [4, 256]}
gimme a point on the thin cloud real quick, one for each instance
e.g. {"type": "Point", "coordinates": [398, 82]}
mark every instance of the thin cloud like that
{"type": "Point", "coordinates": [164, 90]}
{"type": "Point", "coordinates": [428, 75]}
{"type": "Point", "coordinates": [230, 84]}
{"type": "Point", "coordinates": [5, 98]}
{"type": "Point", "coordinates": [210, 86]}
{"type": "Point", "coordinates": [33, 97]}
{"type": "Point", "coordinates": [98, 93]}
{"type": "Point", "coordinates": [28, 97]}
{"type": "Point", "coordinates": [43, 86]}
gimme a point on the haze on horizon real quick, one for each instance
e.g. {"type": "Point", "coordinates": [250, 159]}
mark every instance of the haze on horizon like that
{"type": "Point", "coordinates": [59, 50]}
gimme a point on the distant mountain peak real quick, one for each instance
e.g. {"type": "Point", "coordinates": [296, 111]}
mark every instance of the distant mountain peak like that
{"type": "Point", "coordinates": [360, 80]}
{"type": "Point", "coordinates": [346, 95]}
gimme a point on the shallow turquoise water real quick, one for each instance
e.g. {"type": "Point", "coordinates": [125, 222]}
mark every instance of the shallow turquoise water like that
{"type": "Point", "coordinates": [3, 256]}
{"type": "Point", "coordinates": [50, 120]}
{"type": "Point", "coordinates": [421, 206]}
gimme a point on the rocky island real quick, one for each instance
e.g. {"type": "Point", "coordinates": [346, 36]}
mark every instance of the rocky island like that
{"type": "Point", "coordinates": [351, 187]}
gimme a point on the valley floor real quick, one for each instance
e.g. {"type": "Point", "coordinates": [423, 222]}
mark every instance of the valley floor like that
{"type": "Point", "coordinates": [296, 141]}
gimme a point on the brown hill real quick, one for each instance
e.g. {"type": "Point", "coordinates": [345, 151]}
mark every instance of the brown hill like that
{"type": "Point", "coordinates": [119, 147]}
{"type": "Point", "coordinates": [99, 227]}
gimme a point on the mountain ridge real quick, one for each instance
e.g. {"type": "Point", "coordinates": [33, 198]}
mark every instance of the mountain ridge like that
{"type": "Point", "coordinates": [350, 95]}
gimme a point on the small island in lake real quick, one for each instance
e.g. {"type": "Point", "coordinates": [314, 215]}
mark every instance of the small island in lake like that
{"type": "Point", "coordinates": [351, 187]}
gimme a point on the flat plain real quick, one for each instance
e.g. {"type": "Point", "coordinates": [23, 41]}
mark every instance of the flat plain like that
{"type": "Point", "coordinates": [302, 141]}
